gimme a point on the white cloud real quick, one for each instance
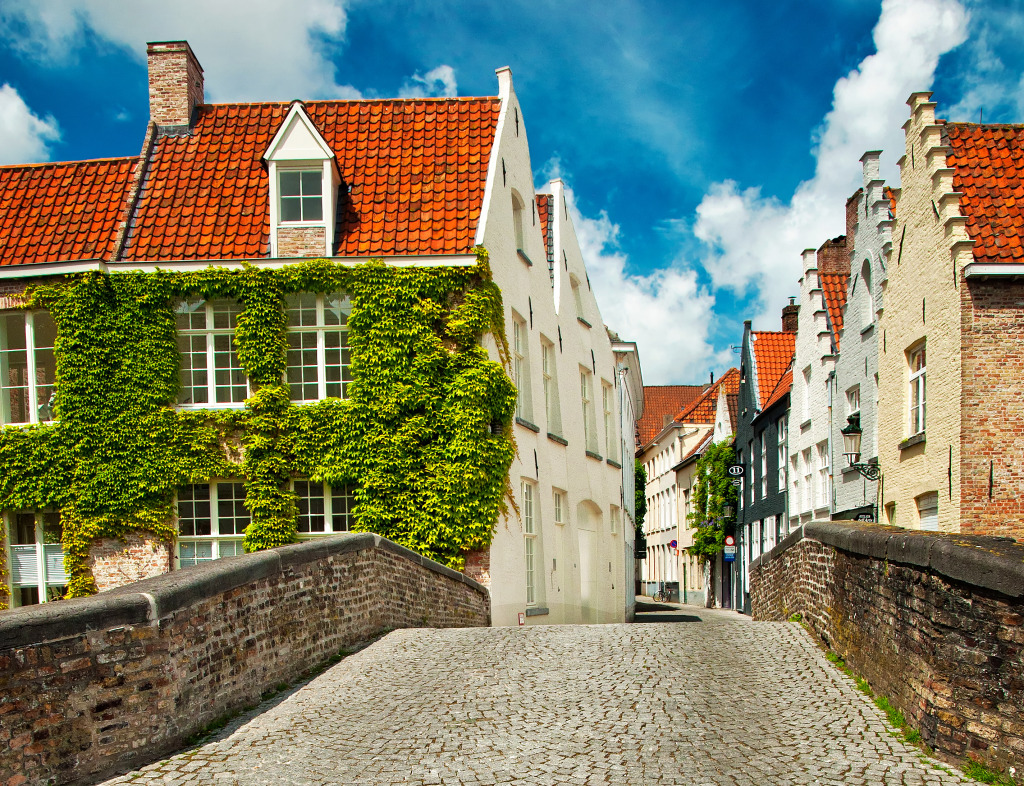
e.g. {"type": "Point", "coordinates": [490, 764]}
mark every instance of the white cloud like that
{"type": "Point", "coordinates": [249, 49]}
{"type": "Point", "coordinates": [754, 241]}
{"type": "Point", "coordinates": [24, 136]}
{"type": "Point", "coordinates": [667, 312]}
{"type": "Point", "coordinates": [992, 91]}
{"type": "Point", "coordinates": [437, 82]}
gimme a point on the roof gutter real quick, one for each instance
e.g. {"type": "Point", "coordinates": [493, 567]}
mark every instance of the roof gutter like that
{"type": "Point", "coordinates": [71, 267]}
{"type": "Point", "coordinates": [980, 270]}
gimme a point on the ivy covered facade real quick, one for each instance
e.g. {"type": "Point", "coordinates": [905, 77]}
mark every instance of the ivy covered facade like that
{"type": "Point", "coordinates": [264, 329]}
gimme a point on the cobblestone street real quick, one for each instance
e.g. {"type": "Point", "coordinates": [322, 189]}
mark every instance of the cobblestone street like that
{"type": "Point", "coordinates": [711, 699]}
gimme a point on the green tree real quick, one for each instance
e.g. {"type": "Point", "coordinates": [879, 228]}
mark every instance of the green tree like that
{"type": "Point", "coordinates": [640, 496]}
{"type": "Point", "coordinates": [714, 501]}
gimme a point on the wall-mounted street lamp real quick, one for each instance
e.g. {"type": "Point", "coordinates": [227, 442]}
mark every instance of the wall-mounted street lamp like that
{"type": "Point", "coordinates": [851, 444]}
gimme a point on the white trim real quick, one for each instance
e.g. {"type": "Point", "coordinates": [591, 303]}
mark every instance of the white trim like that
{"type": "Point", "coordinates": [505, 93]}
{"type": "Point", "coordinates": [996, 270]}
{"type": "Point", "coordinates": [39, 269]}
{"type": "Point", "coordinates": [297, 110]}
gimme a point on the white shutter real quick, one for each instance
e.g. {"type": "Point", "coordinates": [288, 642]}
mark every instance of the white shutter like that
{"type": "Point", "coordinates": [55, 574]}
{"type": "Point", "coordinates": [24, 565]}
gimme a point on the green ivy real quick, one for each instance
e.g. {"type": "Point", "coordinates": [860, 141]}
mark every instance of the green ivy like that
{"type": "Point", "coordinates": [414, 433]}
{"type": "Point", "coordinates": [714, 501]}
{"type": "Point", "coordinates": [640, 496]}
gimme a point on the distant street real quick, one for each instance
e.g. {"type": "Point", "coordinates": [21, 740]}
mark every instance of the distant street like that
{"type": "Point", "coordinates": [708, 698]}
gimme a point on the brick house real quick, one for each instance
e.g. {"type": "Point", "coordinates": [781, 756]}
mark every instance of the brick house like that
{"type": "Point", "coordinates": [268, 185]}
{"type": "Point", "coordinates": [766, 381]}
{"type": "Point", "coordinates": [950, 422]}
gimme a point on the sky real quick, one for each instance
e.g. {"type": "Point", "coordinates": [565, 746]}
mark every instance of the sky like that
{"type": "Point", "coordinates": [704, 143]}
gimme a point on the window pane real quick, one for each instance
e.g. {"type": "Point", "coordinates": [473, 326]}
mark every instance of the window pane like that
{"type": "Point", "coordinates": [14, 393]}
{"type": "Point", "coordinates": [230, 548]}
{"type": "Point", "coordinates": [191, 314]}
{"type": "Point", "coordinates": [193, 369]}
{"type": "Point", "coordinates": [312, 209]}
{"type": "Point", "coordinates": [44, 334]}
{"type": "Point", "coordinates": [290, 183]}
{"type": "Point", "coordinates": [291, 209]}
{"type": "Point", "coordinates": [232, 515]}
{"type": "Point", "coordinates": [301, 309]}
{"type": "Point", "coordinates": [301, 366]}
{"type": "Point", "coordinates": [225, 314]}
{"type": "Point", "coordinates": [53, 531]}
{"type": "Point", "coordinates": [337, 307]}
{"type": "Point", "coordinates": [311, 506]}
{"type": "Point", "coordinates": [191, 553]}
{"type": "Point", "coordinates": [24, 531]}
{"type": "Point", "coordinates": [194, 510]}
{"type": "Point", "coordinates": [229, 379]}
{"type": "Point", "coordinates": [342, 505]}
{"type": "Point", "coordinates": [311, 182]}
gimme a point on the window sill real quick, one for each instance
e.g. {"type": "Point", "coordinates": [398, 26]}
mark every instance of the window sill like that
{"type": "Point", "coordinates": [805, 425]}
{"type": "Point", "coordinates": [302, 224]}
{"type": "Point", "coordinates": [194, 407]}
{"type": "Point", "coordinates": [593, 455]}
{"type": "Point", "coordinates": [909, 442]}
{"type": "Point", "coordinates": [867, 329]}
{"type": "Point", "coordinates": [582, 321]}
{"type": "Point", "coordinates": [615, 464]}
{"type": "Point", "coordinates": [527, 424]}
{"type": "Point", "coordinates": [558, 439]}
{"type": "Point", "coordinates": [537, 611]}
{"type": "Point", "coordinates": [522, 256]}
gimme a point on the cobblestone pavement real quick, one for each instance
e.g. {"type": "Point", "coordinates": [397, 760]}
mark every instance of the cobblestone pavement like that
{"type": "Point", "coordinates": [716, 699]}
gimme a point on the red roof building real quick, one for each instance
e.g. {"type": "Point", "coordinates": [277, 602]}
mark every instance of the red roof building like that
{"type": "Point", "coordinates": [661, 403]}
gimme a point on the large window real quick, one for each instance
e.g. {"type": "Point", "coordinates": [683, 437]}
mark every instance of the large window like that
{"type": "Point", "coordinates": [928, 510]}
{"type": "Point", "coordinates": [783, 449]}
{"type": "Point", "coordinates": [26, 366]}
{"type": "Point", "coordinates": [302, 195]}
{"type": "Point", "coordinates": [37, 557]}
{"type": "Point", "coordinates": [212, 518]}
{"type": "Point", "coordinates": [559, 498]}
{"type": "Point", "coordinates": [764, 464]}
{"type": "Point", "coordinates": [530, 538]}
{"type": "Point", "coordinates": [823, 468]}
{"type": "Point", "coordinates": [808, 475]}
{"type": "Point", "coordinates": [211, 374]}
{"type": "Point", "coordinates": [853, 401]}
{"type": "Point", "coordinates": [550, 371]}
{"type": "Point", "coordinates": [323, 509]}
{"type": "Point", "coordinates": [916, 358]}
{"type": "Point", "coordinates": [318, 353]}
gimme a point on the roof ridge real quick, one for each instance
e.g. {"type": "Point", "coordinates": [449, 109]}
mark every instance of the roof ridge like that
{"type": "Point", "coordinates": [289, 102]}
{"type": "Point", "coordinates": [42, 164]}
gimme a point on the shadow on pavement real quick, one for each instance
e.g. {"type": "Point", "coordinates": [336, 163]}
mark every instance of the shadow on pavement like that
{"type": "Point", "coordinates": [653, 611]}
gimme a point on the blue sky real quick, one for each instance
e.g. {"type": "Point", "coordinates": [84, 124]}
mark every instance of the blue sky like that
{"type": "Point", "coordinates": [705, 143]}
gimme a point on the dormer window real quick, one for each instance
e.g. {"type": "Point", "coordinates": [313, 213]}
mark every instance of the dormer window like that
{"type": "Point", "coordinates": [302, 195]}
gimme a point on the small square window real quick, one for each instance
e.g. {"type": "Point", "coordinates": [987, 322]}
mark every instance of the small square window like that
{"type": "Point", "coordinates": [302, 195]}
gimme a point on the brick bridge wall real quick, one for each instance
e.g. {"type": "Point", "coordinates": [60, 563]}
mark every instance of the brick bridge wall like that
{"type": "Point", "coordinates": [932, 621]}
{"type": "Point", "coordinates": [100, 685]}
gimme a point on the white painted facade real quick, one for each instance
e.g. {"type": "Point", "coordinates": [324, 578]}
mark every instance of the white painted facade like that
{"type": "Point", "coordinates": [855, 384]}
{"type": "Point", "coordinates": [570, 453]}
{"type": "Point", "coordinates": [630, 388]}
{"type": "Point", "coordinates": [809, 426]}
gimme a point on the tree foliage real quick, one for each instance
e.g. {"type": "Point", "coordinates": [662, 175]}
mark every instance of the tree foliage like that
{"type": "Point", "coordinates": [640, 495]}
{"type": "Point", "coordinates": [714, 501]}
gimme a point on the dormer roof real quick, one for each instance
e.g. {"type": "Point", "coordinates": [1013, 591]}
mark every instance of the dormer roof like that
{"type": "Point", "coordinates": [704, 408]}
{"type": "Point", "coordinates": [298, 139]}
{"type": "Point", "coordinates": [772, 353]}
{"type": "Point", "coordinates": [833, 290]}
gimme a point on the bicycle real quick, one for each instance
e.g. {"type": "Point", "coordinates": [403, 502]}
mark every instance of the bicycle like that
{"type": "Point", "coordinates": [662, 595]}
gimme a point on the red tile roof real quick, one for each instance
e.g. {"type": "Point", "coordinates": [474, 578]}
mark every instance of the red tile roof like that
{"type": "Point", "coordinates": [988, 164]}
{"type": "Point", "coordinates": [781, 389]}
{"type": "Point", "coordinates": [833, 287]}
{"type": "Point", "coordinates": [415, 172]}
{"type": "Point", "coordinates": [773, 352]}
{"type": "Point", "coordinates": [62, 212]}
{"type": "Point", "coordinates": [703, 409]}
{"type": "Point", "coordinates": [700, 446]}
{"type": "Point", "coordinates": [545, 206]}
{"type": "Point", "coordinates": [660, 402]}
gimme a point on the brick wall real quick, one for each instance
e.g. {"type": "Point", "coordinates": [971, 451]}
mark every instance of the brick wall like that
{"type": "Point", "coordinates": [932, 621]}
{"type": "Point", "coordinates": [992, 412]}
{"type": "Point", "coordinates": [115, 562]}
{"type": "Point", "coordinates": [99, 685]}
{"type": "Point", "coordinates": [301, 242]}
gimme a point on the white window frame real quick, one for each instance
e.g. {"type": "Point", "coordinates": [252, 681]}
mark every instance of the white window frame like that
{"type": "Point", "coordinates": [211, 334]}
{"type": "Point", "coordinates": [783, 445]}
{"type": "Point", "coordinates": [931, 523]}
{"type": "Point", "coordinates": [918, 387]}
{"type": "Point", "coordinates": [764, 464]}
{"type": "Point", "coordinates": [549, 370]}
{"type": "Point", "coordinates": [808, 499]}
{"type": "Point", "coordinates": [531, 557]}
{"type": "Point", "coordinates": [36, 412]}
{"type": "Point", "coordinates": [577, 298]}
{"type": "Point", "coordinates": [344, 492]}
{"type": "Point", "coordinates": [807, 395]}
{"type": "Point", "coordinates": [613, 520]}
{"type": "Point", "coordinates": [320, 330]}
{"type": "Point", "coordinates": [611, 439]}
{"type": "Point", "coordinates": [587, 402]}
{"type": "Point", "coordinates": [521, 366]}
{"type": "Point", "coordinates": [218, 541]}
{"type": "Point", "coordinates": [45, 561]}
{"type": "Point", "coordinates": [300, 169]}
{"type": "Point", "coordinates": [853, 401]}
{"type": "Point", "coordinates": [559, 501]}
{"type": "Point", "coordinates": [518, 207]}
{"type": "Point", "coordinates": [823, 474]}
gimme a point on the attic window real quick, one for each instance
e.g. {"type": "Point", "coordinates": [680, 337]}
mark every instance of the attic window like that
{"type": "Point", "coordinates": [302, 195]}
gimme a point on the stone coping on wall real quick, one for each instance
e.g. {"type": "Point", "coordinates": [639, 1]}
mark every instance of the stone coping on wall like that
{"type": "Point", "coordinates": [994, 563]}
{"type": "Point", "coordinates": [155, 598]}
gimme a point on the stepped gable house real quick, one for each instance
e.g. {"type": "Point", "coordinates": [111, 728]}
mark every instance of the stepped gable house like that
{"type": "Point", "coordinates": [268, 185]}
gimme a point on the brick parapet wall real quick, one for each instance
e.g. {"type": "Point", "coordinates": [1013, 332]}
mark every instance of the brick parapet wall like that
{"type": "Point", "coordinates": [932, 621]}
{"type": "Point", "coordinates": [98, 685]}
{"type": "Point", "coordinates": [301, 241]}
{"type": "Point", "coordinates": [991, 410]}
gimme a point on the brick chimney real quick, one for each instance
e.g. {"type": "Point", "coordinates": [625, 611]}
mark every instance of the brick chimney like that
{"type": "Point", "coordinates": [175, 83]}
{"type": "Point", "coordinates": [790, 315]}
{"type": "Point", "coordinates": [833, 256]}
